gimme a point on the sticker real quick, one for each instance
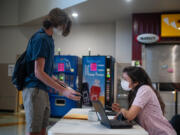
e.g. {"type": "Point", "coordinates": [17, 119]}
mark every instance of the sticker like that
{"type": "Point", "coordinates": [61, 67]}
{"type": "Point", "coordinates": [170, 70]}
{"type": "Point", "coordinates": [93, 67]}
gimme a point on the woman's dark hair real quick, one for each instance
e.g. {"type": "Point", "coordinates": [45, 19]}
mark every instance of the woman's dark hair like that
{"type": "Point", "coordinates": [58, 17]}
{"type": "Point", "coordinates": [138, 75]}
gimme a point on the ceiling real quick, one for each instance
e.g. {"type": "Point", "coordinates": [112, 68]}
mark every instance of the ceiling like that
{"type": "Point", "coordinates": [94, 11]}
{"type": "Point", "coordinates": [103, 11]}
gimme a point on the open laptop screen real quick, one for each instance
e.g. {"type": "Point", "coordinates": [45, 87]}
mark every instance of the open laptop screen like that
{"type": "Point", "coordinates": [101, 113]}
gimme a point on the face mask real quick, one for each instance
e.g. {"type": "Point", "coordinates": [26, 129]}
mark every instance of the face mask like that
{"type": "Point", "coordinates": [125, 85]}
{"type": "Point", "coordinates": [57, 31]}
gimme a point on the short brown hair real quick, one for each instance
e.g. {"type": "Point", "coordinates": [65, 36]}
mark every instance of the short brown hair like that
{"type": "Point", "coordinates": [58, 17]}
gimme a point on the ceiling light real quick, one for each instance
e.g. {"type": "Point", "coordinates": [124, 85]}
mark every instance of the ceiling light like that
{"type": "Point", "coordinates": [75, 15]}
{"type": "Point", "coordinates": [128, 0]}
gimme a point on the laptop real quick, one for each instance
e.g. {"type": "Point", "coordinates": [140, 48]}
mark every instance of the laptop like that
{"type": "Point", "coordinates": [114, 124]}
{"type": "Point", "coordinates": [110, 113]}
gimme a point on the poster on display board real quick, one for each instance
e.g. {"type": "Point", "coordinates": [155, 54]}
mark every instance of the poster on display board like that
{"type": "Point", "coordinates": [94, 76]}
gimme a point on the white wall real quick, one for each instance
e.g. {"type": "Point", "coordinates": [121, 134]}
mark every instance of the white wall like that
{"type": "Point", "coordinates": [8, 12]}
{"type": "Point", "coordinates": [123, 48]}
{"type": "Point", "coordinates": [13, 41]}
{"type": "Point", "coordinates": [103, 39]}
{"type": "Point", "coordinates": [100, 38]}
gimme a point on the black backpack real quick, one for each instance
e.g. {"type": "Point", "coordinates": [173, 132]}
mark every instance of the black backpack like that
{"type": "Point", "coordinates": [20, 72]}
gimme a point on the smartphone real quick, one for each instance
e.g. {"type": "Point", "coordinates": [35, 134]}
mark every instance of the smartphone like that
{"type": "Point", "coordinates": [78, 95]}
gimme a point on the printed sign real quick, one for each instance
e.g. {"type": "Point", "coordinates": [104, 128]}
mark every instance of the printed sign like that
{"type": "Point", "coordinates": [147, 38]}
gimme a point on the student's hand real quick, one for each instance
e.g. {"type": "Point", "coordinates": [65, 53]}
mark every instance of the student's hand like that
{"type": "Point", "coordinates": [71, 94]}
{"type": "Point", "coordinates": [62, 83]}
{"type": "Point", "coordinates": [116, 107]}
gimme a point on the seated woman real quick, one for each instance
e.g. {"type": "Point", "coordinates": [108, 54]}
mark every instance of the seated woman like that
{"type": "Point", "coordinates": [145, 103]}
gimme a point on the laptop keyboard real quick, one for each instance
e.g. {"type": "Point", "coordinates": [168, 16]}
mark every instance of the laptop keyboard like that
{"type": "Point", "coordinates": [110, 113]}
{"type": "Point", "coordinates": [117, 123]}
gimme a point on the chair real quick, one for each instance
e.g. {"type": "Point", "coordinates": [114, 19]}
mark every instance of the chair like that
{"type": "Point", "coordinates": [175, 122]}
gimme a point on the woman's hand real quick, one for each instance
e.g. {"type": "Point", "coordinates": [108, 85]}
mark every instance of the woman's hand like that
{"type": "Point", "coordinates": [121, 114]}
{"type": "Point", "coordinates": [116, 107]}
{"type": "Point", "coordinates": [118, 113]}
{"type": "Point", "coordinates": [131, 113]}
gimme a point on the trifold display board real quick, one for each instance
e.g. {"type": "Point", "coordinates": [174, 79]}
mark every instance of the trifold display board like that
{"type": "Point", "coordinates": [66, 70]}
{"type": "Point", "coordinates": [98, 79]}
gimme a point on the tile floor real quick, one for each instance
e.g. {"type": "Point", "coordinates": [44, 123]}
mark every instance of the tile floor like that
{"type": "Point", "coordinates": [14, 124]}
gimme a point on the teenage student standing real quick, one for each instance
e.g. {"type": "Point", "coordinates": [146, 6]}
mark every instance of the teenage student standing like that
{"type": "Point", "coordinates": [145, 103]}
{"type": "Point", "coordinates": [40, 52]}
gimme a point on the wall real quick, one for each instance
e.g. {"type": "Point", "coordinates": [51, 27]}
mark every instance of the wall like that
{"type": "Point", "coordinates": [103, 39]}
{"type": "Point", "coordinates": [9, 12]}
{"type": "Point", "coordinates": [123, 48]}
{"type": "Point", "coordinates": [100, 38]}
{"type": "Point", "coordinates": [14, 40]}
{"type": "Point", "coordinates": [8, 93]}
